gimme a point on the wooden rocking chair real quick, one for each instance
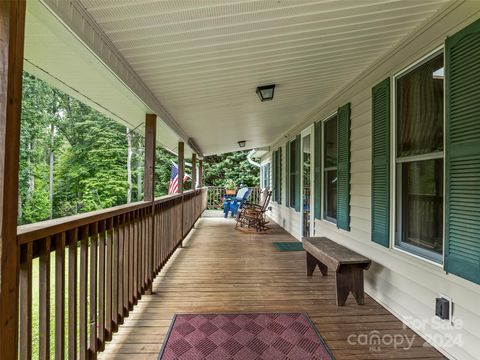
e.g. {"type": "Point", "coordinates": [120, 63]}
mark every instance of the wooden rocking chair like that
{"type": "Point", "coordinates": [253, 215]}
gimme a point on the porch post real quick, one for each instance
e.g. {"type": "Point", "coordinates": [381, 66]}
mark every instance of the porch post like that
{"type": "Point", "coordinates": [150, 143]}
{"type": "Point", "coordinates": [181, 166]}
{"type": "Point", "coordinates": [149, 189]}
{"type": "Point", "coordinates": [12, 31]}
{"type": "Point", "coordinates": [181, 172]}
{"type": "Point", "coordinates": [194, 171]}
{"type": "Point", "coordinates": [200, 173]}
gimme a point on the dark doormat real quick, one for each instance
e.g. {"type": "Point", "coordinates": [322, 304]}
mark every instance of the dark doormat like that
{"type": "Point", "coordinates": [266, 336]}
{"type": "Point", "coordinates": [288, 246]}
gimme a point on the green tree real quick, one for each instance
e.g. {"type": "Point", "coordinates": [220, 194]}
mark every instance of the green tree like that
{"type": "Point", "coordinates": [234, 166]}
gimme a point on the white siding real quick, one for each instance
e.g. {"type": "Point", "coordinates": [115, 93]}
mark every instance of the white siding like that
{"type": "Point", "coordinates": [403, 283]}
{"type": "Point", "coordinates": [287, 217]}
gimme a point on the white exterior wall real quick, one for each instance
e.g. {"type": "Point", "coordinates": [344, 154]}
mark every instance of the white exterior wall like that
{"type": "Point", "coordinates": [404, 284]}
{"type": "Point", "coordinates": [287, 217]}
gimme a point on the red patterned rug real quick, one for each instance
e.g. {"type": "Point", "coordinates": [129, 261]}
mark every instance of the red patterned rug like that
{"type": "Point", "coordinates": [275, 336]}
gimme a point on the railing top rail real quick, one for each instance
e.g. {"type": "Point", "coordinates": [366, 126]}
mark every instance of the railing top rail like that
{"type": "Point", "coordinates": [32, 232]}
{"type": "Point", "coordinates": [42, 229]}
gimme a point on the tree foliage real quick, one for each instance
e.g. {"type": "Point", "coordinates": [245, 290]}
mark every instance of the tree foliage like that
{"type": "Point", "coordinates": [88, 152]}
{"type": "Point", "coordinates": [234, 166]}
{"type": "Point", "coordinates": [89, 156]}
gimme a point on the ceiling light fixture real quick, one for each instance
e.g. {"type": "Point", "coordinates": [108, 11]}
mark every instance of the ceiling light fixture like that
{"type": "Point", "coordinates": [265, 93]}
{"type": "Point", "coordinates": [241, 143]}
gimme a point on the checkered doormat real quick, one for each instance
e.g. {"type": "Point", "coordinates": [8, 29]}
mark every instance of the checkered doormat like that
{"type": "Point", "coordinates": [272, 336]}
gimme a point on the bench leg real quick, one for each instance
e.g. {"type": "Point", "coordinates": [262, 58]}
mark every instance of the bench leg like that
{"type": "Point", "coordinates": [312, 262]}
{"type": "Point", "coordinates": [350, 278]}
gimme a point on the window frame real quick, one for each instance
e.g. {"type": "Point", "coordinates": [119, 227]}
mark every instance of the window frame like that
{"type": "Point", "coordinates": [323, 212]}
{"type": "Point", "coordinates": [265, 175]}
{"type": "Point", "coordinates": [412, 250]}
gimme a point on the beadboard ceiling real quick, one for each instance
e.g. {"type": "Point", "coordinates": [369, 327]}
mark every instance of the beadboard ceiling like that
{"type": "Point", "coordinates": [203, 59]}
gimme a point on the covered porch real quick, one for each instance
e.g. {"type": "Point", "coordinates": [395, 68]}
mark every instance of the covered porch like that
{"type": "Point", "coordinates": [186, 75]}
{"type": "Point", "coordinates": [222, 270]}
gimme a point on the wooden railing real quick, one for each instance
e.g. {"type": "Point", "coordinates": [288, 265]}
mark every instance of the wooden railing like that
{"type": "Point", "coordinates": [107, 259]}
{"type": "Point", "coordinates": [217, 193]}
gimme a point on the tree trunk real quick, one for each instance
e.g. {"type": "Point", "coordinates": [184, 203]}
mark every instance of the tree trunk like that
{"type": "Point", "coordinates": [31, 173]}
{"type": "Point", "coordinates": [50, 187]}
{"type": "Point", "coordinates": [129, 166]}
{"type": "Point", "coordinates": [139, 171]}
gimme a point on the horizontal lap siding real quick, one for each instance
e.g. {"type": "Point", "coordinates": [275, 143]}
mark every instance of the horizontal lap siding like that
{"type": "Point", "coordinates": [400, 284]}
{"type": "Point", "coordinates": [404, 284]}
{"type": "Point", "coordinates": [285, 216]}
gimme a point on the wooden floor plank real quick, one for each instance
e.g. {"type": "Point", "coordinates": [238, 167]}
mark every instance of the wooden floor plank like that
{"type": "Point", "coordinates": [221, 270]}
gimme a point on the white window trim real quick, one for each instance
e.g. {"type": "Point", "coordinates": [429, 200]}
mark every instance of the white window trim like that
{"type": "Point", "coordinates": [394, 160]}
{"type": "Point", "coordinates": [308, 131]}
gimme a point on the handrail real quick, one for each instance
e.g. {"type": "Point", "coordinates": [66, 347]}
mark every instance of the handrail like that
{"type": "Point", "coordinates": [31, 232]}
{"type": "Point", "coordinates": [113, 256]}
{"type": "Point", "coordinates": [38, 230]}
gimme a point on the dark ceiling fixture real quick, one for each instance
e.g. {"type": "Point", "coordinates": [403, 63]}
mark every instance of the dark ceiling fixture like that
{"type": "Point", "coordinates": [265, 93]}
{"type": "Point", "coordinates": [241, 143]}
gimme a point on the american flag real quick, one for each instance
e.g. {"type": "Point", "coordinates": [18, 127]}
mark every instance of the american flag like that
{"type": "Point", "coordinates": [173, 188]}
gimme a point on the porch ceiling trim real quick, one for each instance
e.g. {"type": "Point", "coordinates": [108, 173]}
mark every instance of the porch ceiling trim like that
{"type": "Point", "coordinates": [75, 17]}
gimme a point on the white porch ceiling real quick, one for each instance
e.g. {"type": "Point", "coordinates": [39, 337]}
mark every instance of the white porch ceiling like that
{"type": "Point", "coordinates": [204, 59]}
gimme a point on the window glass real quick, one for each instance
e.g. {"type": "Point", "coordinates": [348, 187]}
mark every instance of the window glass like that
{"type": "Point", "coordinates": [330, 169]}
{"type": "Point", "coordinates": [420, 109]}
{"type": "Point", "coordinates": [419, 181]}
{"type": "Point", "coordinates": [330, 143]}
{"type": "Point", "coordinates": [421, 198]}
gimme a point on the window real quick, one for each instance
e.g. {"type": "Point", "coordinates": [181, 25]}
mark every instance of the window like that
{"type": "Point", "coordinates": [419, 159]}
{"type": "Point", "coordinates": [330, 169]}
{"type": "Point", "coordinates": [266, 176]}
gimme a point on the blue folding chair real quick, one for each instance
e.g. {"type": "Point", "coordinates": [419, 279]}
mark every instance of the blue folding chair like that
{"type": "Point", "coordinates": [233, 204]}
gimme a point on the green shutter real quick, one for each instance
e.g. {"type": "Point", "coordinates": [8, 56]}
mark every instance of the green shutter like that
{"type": "Point", "coordinates": [298, 191]}
{"type": "Point", "coordinates": [318, 170]}
{"type": "Point", "coordinates": [279, 194]}
{"type": "Point", "coordinates": [462, 154]}
{"type": "Point", "coordinates": [292, 174]}
{"type": "Point", "coordinates": [343, 167]}
{"type": "Point", "coordinates": [274, 175]}
{"type": "Point", "coordinates": [381, 163]}
{"type": "Point", "coordinates": [287, 173]}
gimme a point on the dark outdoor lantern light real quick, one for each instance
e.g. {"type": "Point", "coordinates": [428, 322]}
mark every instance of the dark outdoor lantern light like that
{"type": "Point", "coordinates": [241, 143]}
{"type": "Point", "coordinates": [265, 93]}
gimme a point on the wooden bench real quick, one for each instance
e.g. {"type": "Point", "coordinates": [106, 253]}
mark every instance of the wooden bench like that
{"type": "Point", "coordinates": [347, 264]}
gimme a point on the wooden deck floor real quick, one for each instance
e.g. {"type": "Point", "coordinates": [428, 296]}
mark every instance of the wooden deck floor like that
{"type": "Point", "coordinates": [223, 270]}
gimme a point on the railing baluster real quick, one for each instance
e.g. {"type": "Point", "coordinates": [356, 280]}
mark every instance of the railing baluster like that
{"type": "Point", "coordinates": [145, 247]}
{"type": "Point", "coordinates": [101, 285]}
{"type": "Point", "coordinates": [131, 272]}
{"type": "Point", "coordinates": [83, 235]}
{"type": "Point", "coordinates": [143, 227]}
{"type": "Point", "coordinates": [72, 293]}
{"type": "Point", "coordinates": [93, 290]}
{"type": "Point", "coordinates": [126, 264]}
{"type": "Point", "coordinates": [26, 301]}
{"type": "Point", "coordinates": [60, 296]}
{"type": "Point", "coordinates": [120, 254]}
{"type": "Point", "coordinates": [120, 257]}
{"type": "Point", "coordinates": [109, 282]}
{"type": "Point", "coordinates": [134, 259]}
{"type": "Point", "coordinates": [44, 301]}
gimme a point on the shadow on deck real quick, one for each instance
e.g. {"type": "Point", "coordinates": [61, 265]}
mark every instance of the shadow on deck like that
{"type": "Point", "coordinates": [220, 270]}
